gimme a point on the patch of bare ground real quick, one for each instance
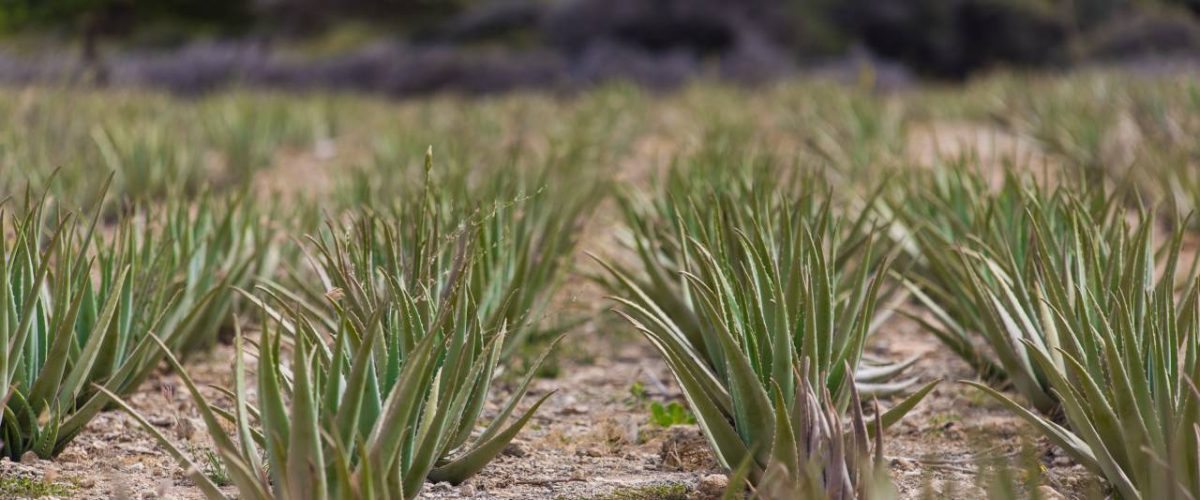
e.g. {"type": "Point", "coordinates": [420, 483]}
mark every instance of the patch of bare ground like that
{"type": "Point", "coordinates": [300, 172]}
{"type": "Point", "coordinates": [593, 439]}
{"type": "Point", "coordinates": [990, 147]}
{"type": "Point", "coordinates": [114, 458]}
{"type": "Point", "coordinates": [945, 445]}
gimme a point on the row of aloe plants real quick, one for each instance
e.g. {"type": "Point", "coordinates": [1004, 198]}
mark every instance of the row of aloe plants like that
{"type": "Point", "coordinates": [78, 300]}
{"type": "Point", "coordinates": [157, 147]}
{"type": "Point", "coordinates": [752, 288]}
{"type": "Point", "coordinates": [1055, 292]}
{"type": "Point", "coordinates": [386, 382]}
{"type": "Point", "coordinates": [396, 335]}
{"type": "Point", "coordinates": [1059, 294]}
{"type": "Point", "coordinates": [87, 301]}
{"type": "Point", "coordinates": [392, 355]}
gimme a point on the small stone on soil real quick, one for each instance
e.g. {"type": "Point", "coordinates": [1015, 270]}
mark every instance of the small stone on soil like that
{"type": "Point", "coordinates": [161, 421]}
{"type": "Point", "coordinates": [73, 454]}
{"type": "Point", "coordinates": [1048, 493]}
{"type": "Point", "coordinates": [592, 452]}
{"type": "Point", "coordinates": [514, 450]}
{"type": "Point", "coordinates": [712, 486]}
{"type": "Point", "coordinates": [574, 410]}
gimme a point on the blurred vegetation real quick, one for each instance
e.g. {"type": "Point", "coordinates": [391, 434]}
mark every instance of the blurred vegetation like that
{"type": "Point", "coordinates": [89, 20]}
{"type": "Point", "coordinates": [942, 38]}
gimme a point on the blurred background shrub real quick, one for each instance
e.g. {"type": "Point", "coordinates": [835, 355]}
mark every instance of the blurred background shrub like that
{"type": "Point", "coordinates": [404, 47]}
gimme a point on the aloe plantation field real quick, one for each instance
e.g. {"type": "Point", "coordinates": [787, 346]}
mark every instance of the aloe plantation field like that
{"type": "Point", "coordinates": [804, 289]}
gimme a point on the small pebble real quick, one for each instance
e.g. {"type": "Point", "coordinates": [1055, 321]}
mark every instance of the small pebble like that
{"type": "Point", "coordinates": [466, 490]}
{"type": "Point", "coordinates": [1048, 493]}
{"type": "Point", "coordinates": [514, 450]}
{"type": "Point", "coordinates": [901, 463]}
{"type": "Point", "coordinates": [73, 454]}
{"type": "Point", "coordinates": [712, 486]}
{"type": "Point", "coordinates": [161, 421]}
{"type": "Point", "coordinates": [590, 452]}
{"type": "Point", "coordinates": [575, 410]}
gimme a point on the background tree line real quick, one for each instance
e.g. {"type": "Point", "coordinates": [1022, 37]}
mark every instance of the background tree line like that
{"type": "Point", "coordinates": [943, 38]}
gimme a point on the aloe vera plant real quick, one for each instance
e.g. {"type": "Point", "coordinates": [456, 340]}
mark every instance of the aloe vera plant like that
{"type": "Point", "coordinates": [817, 453]}
{"type": "Point", "coordinates": [389, 371]}
{"type": "Point", "coordinates": [972, 266]}
{"type": "Point", "coordinates": [1164, 117]}
{"type": "Point", "coordinates": [1119, 351]}
{"type": "Point", "coordinates": [75, 312]}
{"type": "Point", "coordinates": [527, 237]}
{"type": "Point", "coordinates": [207, 246]}
{"type": "Point", "coordinates": [767, 290]}
{"type": "Point", "coordinates": [526, 230]}
{"type": "Point", "coordinates": [754, 217]}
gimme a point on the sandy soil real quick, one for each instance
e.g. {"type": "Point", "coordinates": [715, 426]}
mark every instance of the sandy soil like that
{"type": "Point", "coordinates": [593, 439]}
